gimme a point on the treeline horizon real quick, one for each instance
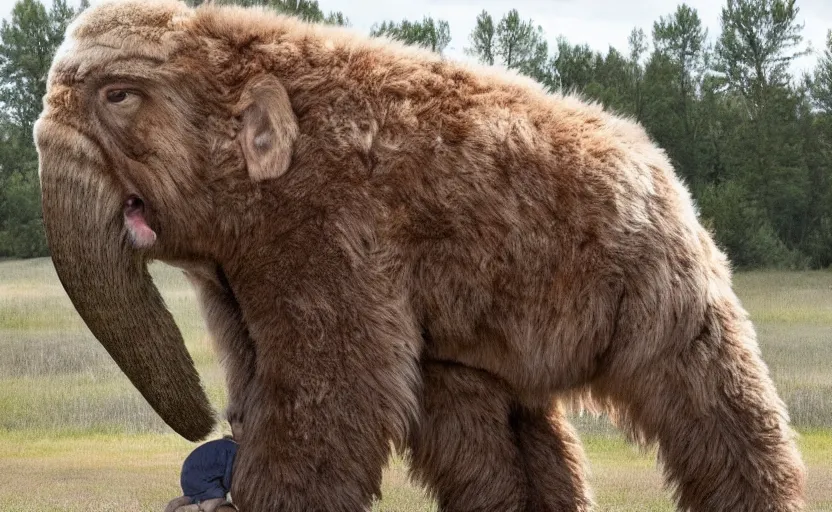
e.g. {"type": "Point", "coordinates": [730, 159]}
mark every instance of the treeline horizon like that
{"type": "Point", "coordinates": [752, 142]}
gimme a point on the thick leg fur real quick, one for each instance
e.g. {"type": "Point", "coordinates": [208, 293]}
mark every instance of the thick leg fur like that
{"type": "Point", "coordinates": [336, 362]}
{"type": "Point", "coordinates": [477, 449]}
{"type": "Point", "coordinates": [721, 429]}
{"type": "Point", "coordinates": [228, 331]}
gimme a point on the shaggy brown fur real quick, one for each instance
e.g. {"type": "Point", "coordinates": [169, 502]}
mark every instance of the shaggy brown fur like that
{"type": "Point", "coordinates": [333, 197]}
{"type": "Point", "coordinates": [478, 448]}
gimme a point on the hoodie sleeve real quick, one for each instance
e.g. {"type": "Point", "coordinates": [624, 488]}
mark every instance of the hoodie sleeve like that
{"type": "Point", "coordinates": [230, 454]}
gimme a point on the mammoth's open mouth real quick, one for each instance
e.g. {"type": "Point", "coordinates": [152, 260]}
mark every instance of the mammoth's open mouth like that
{"type": "Point", "coordinates": [136, 223]}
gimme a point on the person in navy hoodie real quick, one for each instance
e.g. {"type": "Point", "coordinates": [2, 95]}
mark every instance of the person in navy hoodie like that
{"type": "Point", "coordinates": [206, 476]}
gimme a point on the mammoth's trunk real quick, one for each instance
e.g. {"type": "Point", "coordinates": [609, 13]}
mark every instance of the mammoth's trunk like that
{"type": "Point", "coordinates": [109, 284]}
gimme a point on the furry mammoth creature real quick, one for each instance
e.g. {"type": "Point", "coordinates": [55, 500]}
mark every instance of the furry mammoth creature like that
{"type": "Point", "coordinates": [394, 249]}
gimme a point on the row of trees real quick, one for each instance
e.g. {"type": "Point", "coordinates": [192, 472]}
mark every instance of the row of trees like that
{"type": "Point", "coordinates": [752, 141]}
{"type": "Point", "coordinates": [27, 44]}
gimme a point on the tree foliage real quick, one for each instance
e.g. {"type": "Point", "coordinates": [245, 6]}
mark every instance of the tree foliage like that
{"type": "Point", "coordinates": [512, 43]}
{"type": "Point", "coordinates": [823, 78]}
{"type": "Point", "coordinates": [27, 43]}
{"type": "Point", "coordinates": [307, 10]}
{"type": "Point", "coordinates": [434, 35]}
{"type": "Point", "coordinates": [759, 40]}
{"type": "Point", "coordinates": [482, 39]}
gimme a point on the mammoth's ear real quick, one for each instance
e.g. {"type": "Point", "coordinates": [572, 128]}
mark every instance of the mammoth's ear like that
{"type": "Point", "coordinates": [269, 128]}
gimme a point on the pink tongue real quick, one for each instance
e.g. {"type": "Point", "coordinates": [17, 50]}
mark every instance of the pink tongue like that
{"type": "Point", "coordinates": [140, 232]}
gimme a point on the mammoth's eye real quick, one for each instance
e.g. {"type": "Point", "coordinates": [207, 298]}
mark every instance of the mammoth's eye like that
{"type": "Point", "coordinates": [117, 95]}
{"type": "Point", "coordinates": [121, 99]}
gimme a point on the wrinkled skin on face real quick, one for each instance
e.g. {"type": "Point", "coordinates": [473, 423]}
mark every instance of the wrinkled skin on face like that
{"type": "Point", "coordinates": [393, 249]}
{"type": "Point", "coordinates": [121, 164]}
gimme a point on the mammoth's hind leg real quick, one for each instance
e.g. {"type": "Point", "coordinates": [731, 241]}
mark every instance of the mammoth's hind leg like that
{"type": "Point", "coordinates": [477, 449]}
{"type": "Point", "coordinates": [722, 432]}
{"type": "Point", "coordinates": [553, 459]}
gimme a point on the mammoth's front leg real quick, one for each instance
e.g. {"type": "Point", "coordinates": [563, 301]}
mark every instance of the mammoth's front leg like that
{"type": "Point", "coordinates": [477, 448]}
{"type": "Point", "coordinates": [334, 380]}
{"type": "Point", "coordinates": [228, 330]}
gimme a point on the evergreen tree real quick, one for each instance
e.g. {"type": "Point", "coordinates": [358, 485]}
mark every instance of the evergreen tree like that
{"type": "Point", "coordinates": [573, 66]}
{"type": "Point", "coordinates": [432, 35]}
{"type": "Point", "coordinates": [822, 87]}
{"type": "Point", "coordinates": [483, 39]}
{"type": "Point", "coordinates": [27, 44]}
{"type": "Point", "coordinates": [676, 72]}
{"type": "Point", "coordinates": [682, 38]}
{"type": "Point", "coordinates": [760, 39]}
{"type": "Point", "coordinates": [638, 48]}
{"type": "Point", "coordinates": [611, 85]}
{"type": "Point", "coordinates": [307, 10]}
{"type": "Point", "coordinates": [513, 43]}
{"type": "Point", "coordinates": [522, 46]}
{"type": "Point", "coordinates": [816, 127]}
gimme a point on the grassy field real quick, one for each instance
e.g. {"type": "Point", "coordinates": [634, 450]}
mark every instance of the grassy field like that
{"type": "Point", "coordinates": [75, 435]}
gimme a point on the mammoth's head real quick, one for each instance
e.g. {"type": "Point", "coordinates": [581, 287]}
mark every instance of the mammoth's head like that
{"type": "Point", "coordinates": [150, 122]}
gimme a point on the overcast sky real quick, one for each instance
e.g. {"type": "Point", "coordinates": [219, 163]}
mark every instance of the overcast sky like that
{"type": "Point", "coordinates": [600, 23]}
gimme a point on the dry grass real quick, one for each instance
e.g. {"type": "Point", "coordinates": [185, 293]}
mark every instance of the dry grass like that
{"type": "Point", "coordinates": [792, 312]}
{"type": "Point", "coordinates": [75, 435]}
{"type": "Point", "coordinates": [106, 472]}
{"type": "Point", "coordinates": [93, 472]}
